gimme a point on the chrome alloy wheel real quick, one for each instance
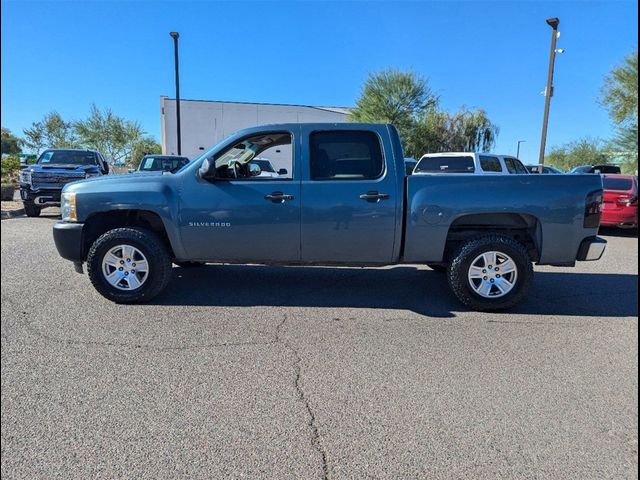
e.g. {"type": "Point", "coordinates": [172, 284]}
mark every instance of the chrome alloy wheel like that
{"type": "Point", "coordinates": [125, 267]}
{"type": "Point", "coordinates": [493, 274]}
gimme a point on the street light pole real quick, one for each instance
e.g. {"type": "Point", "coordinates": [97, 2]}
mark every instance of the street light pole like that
{"type": "Point", "coordinates": [548, 93]}
{"type": "Point", "coordinates": [518, 149]}
{"type": "Point", "coordinates": [175, 36]}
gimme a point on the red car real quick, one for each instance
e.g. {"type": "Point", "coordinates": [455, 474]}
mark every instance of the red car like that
{"type": "Point", "coordinates": [620, 207]}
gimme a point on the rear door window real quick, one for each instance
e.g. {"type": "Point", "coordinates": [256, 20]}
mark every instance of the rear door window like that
{"type": "Point", "coordinates": [446, 164]}
{"type": "Point", "coordinates": [345, 155]}
{"type": "Point", "coordinates": [490, 164]}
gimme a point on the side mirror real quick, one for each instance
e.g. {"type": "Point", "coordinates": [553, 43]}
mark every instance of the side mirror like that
{"type": "Point", "coordinates": [105, 168]}
{"type": "Point", "coordinates": [254, 170]}
{"type": "Point", "coordinates": [207, 170]}
{"type": "Point", "coordinates": [282, 171]}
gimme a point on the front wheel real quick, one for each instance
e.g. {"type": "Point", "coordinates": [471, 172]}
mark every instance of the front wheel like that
{"type": "Point", "coordinates": [490, 273]}
{"type": "Point", "coordinates": [129, 265]}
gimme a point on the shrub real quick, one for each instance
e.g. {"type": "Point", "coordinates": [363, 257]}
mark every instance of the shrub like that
{"type": "Point", "coordinates": [7, 190]}
{"type": "Point", "coordinates": [10, 165]}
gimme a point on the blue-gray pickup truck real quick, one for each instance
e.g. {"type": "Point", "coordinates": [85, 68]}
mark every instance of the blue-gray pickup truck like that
{"type": "Point", "coordinates": [345, 200]}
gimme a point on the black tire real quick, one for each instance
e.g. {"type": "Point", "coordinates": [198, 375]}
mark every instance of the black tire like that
{"type": "Point", "coordinates": [437, 267]}
{"type": "Point", "coordinates": [189, 264]}
{"type": "Point", "coordinates": [457, 274]}
{"type": "Point", "coordinates": [31, 209]}
{"type": "Point", "coordinates": [153, 249]}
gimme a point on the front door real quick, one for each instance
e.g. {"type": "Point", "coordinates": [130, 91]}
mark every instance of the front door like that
{"type": "Point", "coordinates": [349, 196]}
{"type": "Point", "coordinates": [251, 211]}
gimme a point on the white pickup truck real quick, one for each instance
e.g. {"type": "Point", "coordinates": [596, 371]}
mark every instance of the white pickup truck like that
{"type": "Point", "coordinates": [469, 162]}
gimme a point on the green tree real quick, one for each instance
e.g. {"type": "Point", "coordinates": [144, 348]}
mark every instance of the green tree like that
{"type": "Point", "coordinates": [395, 97]}
{"type": "Point", "coordinates": [586, 151]}
{"type": "Point", "coordinates": [108, 133]}
{"type": "Point", "coordinates": [145, 146]}
{"type": "Point", "coordinates": [10, 143]}
{"type": "Point", "coordinates": [620, 97]}
{"type": "Point", "coordinates": [50, 132]}
{"type": "Point", "coordinates": [440, 131]}
{"type": "Point", "coordinates": [405, 100]}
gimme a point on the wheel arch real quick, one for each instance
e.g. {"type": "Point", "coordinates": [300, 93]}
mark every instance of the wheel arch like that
{"type": "Point", "coordinates": [101, 222]}
{"type": "Point", "coordinates": [522, 227]}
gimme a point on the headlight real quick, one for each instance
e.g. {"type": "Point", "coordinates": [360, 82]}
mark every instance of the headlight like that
{"type": "Point", "coordinates": [91, 174]}
{"type": "Point", "coordinates": [25, 177]}
{"type": "Point", "coordinates": [68, 207]}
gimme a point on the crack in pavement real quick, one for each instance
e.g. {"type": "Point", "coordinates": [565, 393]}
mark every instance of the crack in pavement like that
{"type": "Point", "coordinates": [312, 423]}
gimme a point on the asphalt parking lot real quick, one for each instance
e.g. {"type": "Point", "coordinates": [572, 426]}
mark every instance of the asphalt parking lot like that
{"type": "Point", "coordinates": [273, 372]}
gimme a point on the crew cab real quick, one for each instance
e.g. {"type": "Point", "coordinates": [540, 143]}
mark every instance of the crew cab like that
{"type": "Point", "coordinates": [346, 201]}
{"type": "Point", "coordinates": [42, 182]}
{"type": "Point", "coordinates": [469, 162]}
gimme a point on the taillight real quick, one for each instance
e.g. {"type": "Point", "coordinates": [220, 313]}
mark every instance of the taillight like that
{"type": "Point", "coordinates": [626, 200]}
{"type": "Point", "coordinates": [593, 209]}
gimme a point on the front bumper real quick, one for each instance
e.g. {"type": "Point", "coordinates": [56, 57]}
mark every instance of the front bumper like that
{"type": "Point", "coordinates": [43, 197]}
{"type": "Point", "coordinates": [591, 249]}
{"type": "Point", "coordinates": [68, 239]}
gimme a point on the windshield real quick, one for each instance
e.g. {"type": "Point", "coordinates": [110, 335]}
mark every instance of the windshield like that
{"type": "Point", "coordinates": [583, 169]}
{"type": "Point", "coordinates": [68, 157]}
{"type": "Point", "coordinates": [265, 165]}
{"type": "Point", "coordinates": [159, 163]}
{"type": "Point", "coordinates": [462, 164]}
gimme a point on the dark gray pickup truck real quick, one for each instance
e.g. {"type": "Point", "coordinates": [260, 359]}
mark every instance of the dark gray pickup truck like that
{"type": "Point", "coordinates": [42, 182]}
{"type": "Point", "coordinates": [346, 201]}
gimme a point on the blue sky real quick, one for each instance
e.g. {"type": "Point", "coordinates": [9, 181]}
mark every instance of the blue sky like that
{"type": "Point", "coordinates": [65, 55]}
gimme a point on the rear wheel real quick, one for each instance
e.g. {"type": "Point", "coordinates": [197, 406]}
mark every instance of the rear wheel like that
{"type": "Point", "coordinates": [31, 209]}
{"type": "Point", "coordinates": [129, 265]}
{"type": "Point", "coordinates": [488, 273]}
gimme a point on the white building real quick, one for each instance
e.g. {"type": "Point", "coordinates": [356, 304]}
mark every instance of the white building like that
{"type": "Point", "coordinates": [204, 123]}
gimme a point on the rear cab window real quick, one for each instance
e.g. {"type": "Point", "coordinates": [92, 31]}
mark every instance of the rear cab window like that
{"type": "Point", "coordinates": [620, 184]}
{"type": "Point", "coordinates": [446, 164]}
{"type": "Point", "coordinates": [345, 155]}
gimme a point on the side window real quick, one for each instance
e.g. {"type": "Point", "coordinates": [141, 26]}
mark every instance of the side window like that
{"type": "Point", "coordinates": [267, 156]}
{"type": "Point", "coordinates": [490, 164]}
{"type": "Point", "coordinates": [511, 168]}
{"type": "Point", "coordinates": [345, 155]}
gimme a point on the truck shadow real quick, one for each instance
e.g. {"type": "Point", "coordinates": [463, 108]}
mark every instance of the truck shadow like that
{"type": "Point", "coordinates": [420, 290]}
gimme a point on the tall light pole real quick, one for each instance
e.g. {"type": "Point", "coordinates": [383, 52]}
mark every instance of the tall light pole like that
{"type": "Point", "coordinates": [175, 36]}
{"type": "Point", "coordinates": [518, 149]}
{"type": "Point", "coordinates": [548, 93]}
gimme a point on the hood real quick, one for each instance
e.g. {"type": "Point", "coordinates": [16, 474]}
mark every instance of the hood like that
{"type": "Point", "coordinates": [127, 181]}
{"type": "Point", "coordinates": [60, 169]}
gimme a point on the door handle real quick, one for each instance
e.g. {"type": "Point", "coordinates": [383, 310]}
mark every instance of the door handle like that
{"type": "Point", "coordinates": [374, 197]}
{"type": "Point", "coordinates": [278, 197]}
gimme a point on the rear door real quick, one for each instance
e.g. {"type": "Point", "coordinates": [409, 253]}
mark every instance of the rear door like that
{"type": "Point", "coordinates": [349, 195]}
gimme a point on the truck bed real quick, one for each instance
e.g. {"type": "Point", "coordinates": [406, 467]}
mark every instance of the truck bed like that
{"type": "Point", "coordinates": [550, 207]}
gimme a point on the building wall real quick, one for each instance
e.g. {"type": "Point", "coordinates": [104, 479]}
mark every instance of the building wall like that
{"type": "Point", "coordinates": [205, 123]}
